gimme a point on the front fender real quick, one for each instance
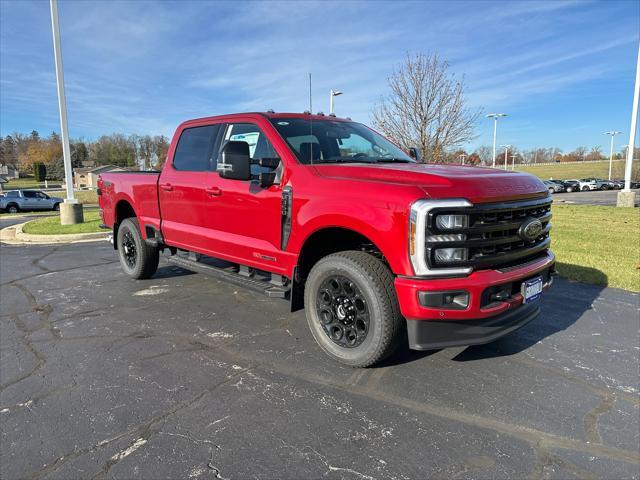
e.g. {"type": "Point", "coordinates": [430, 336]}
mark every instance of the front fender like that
{"type": "Point", "coordinates": [385, 227]}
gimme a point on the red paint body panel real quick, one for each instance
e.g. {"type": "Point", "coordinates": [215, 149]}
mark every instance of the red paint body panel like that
{"type": "Point", "coordinates": [240, 222]}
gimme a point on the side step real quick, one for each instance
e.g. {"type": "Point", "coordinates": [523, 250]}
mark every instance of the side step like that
{"type": "Point", "coordinates": [231, 276]}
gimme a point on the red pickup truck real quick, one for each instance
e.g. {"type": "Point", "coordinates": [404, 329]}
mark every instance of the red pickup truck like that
{"type": "Point", "coordinates": [323, 211]}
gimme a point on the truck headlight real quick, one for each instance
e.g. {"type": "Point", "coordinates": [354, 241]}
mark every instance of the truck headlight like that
{"type": "Point", "coordinates": [451, 254]}
{"type": "Point", "coordinates": [448, 222]}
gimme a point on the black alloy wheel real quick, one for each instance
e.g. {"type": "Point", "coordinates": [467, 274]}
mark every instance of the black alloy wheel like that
{"type": "Point", "coordinates": [343, 312]}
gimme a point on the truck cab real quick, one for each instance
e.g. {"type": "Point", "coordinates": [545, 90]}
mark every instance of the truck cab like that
{"type": "Point", "coordinates": [331, 215]}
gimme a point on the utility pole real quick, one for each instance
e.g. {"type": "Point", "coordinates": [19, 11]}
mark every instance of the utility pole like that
{"type": "Point", "coordinates": [332, 93]}
{"type": "Point", "coordinates": [513, 162]}
{"type": "Point", "coordinates": [612, 134]}
{"type": "Point", "coordinates": [495, 117]}
{"type": "Point", "coordinates": [506, 152]}
{"type": "Point", "coordinates": [627, 198]}
{"type": "Point", "coordinates": [70, 210]}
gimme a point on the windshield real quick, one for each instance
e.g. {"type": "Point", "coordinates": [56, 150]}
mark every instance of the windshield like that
{"type": "Point", "coordinates": [332, 141]}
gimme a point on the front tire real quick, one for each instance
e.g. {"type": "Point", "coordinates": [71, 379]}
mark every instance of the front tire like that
{"type": "Point", "coordinates": [138, 259]}
{"type": "Point", "coordinates": [352, 309]}
{"type": "Point", "coordinates": [56, 207]}
{"type": "Point", "coordinates": [585, 189]}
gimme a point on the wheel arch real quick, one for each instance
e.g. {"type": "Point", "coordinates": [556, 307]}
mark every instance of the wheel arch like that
{"type": "Point", "coordinates": [325, 241]}
{"type": "Point", "coordinates": [123, 209]}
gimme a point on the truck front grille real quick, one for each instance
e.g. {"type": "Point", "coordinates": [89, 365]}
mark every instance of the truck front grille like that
{"type": "Point", "coordinates": [492, 237]}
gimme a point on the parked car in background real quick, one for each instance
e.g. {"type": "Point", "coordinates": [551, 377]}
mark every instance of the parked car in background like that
{"type": "Point", "coordinates": [553, 187]}
{"type": "Point", "coordinates": [15, 201]}
{"type": "Point", "coordinates": [571, 185]}
{"type": "Point", "coordinates": [598, 182]}
{"type": "Point", "coordinates": [585, 185]}
{"type": "Point", "coordinates": [617, 184]}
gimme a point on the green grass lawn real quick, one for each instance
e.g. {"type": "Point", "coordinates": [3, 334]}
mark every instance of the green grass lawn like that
{"type": "Point", "coordinates": [51, 225]}
{"type": "Point", "coordinates": [575, 170]}
{"type": "Point", "coordinates": [599, 245]}
{"type": "Point", "coordinates": [84, 196]}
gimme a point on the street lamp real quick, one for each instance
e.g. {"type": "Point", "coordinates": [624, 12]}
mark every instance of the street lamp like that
{"type": "Point", "coordinates": [70, 210]}
{"type": "Point", "coordinates": [626, 198]}
{"type": "Point", "coordinates": [506, 152]}
{"type": "Point", "coordinates": [332, 93]}
{"type": "Point", "coordinates": [613, 134]}
{"type": "Point", "coordinates": [495, 117]}
{"type": "Point", "coordinates": [513, 162]}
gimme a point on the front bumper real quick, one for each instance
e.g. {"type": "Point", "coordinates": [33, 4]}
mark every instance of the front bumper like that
{"type": "Point", "coordinates": [480, 321]}
{"type": "Point", "coordinates": [432, 335]}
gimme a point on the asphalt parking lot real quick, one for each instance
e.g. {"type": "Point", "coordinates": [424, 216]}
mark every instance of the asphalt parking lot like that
{"type": "Point", "coordinates": [183, 376]}
{"type": "Point", "coordinates": [596, 197]}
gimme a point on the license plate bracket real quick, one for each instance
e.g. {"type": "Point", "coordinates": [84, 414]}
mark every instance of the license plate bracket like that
{"type": "Point", "coordinates": [531, 289]}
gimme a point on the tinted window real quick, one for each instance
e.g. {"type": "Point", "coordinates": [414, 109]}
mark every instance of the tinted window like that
{"type": "Point", "coordinates": [194, 151]}
{"type": "Point", "coordinates": [41, 195]}
{"type": "Point", "coordinates": [12, 194]}
{"type": "Point", "coordinates": [29, 194]}
{"type": "Point", "coordinates": [259, 145]}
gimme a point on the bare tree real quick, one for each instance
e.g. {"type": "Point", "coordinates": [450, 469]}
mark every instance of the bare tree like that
{"type": "Point", "coordinates": [485, 153]}
{"type": "Point", "coordinates": [426, 107]}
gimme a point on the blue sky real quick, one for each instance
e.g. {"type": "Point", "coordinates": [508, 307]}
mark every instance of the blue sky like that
{"type": "Point", "coordinates": [562, 70]}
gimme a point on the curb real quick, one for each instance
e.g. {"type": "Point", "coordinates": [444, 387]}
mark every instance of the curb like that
{"type": "Point", "coordinates": [15, 236]}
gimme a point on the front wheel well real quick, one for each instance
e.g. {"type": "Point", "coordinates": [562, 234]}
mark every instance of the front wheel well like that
{"type": "Point", "coordinates": [332, 240]}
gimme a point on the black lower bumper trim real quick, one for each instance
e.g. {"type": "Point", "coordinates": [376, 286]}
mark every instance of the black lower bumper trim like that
{"type": "Point", "coordinates": [436, 334]}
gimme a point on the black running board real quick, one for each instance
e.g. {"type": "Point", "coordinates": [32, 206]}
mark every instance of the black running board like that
{"type": "Point", "coordinates": [230, 276]}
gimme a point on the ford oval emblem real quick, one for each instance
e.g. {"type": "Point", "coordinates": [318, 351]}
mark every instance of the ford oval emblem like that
{"type": "Point", "coordinates": [530, 229]}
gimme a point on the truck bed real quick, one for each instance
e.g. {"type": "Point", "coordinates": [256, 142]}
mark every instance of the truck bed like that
{"type": "Point", "coordinates": [141, 186]}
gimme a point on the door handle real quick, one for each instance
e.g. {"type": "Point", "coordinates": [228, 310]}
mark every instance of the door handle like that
{"type": "Point", "coordinates": [166, 186]}
{"type": "Point", "coordinates": [214, 191]}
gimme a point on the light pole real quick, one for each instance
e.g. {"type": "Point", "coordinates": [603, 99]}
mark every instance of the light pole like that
{"type": "Point", "coordinates": [495, 117]}
{"type": "Point", "coordinates": [513, 162]}
{"type": "Point", "coordinates": [506, 152]}
{"type": "Point", "coordinates": [613, 134]}
{"type": "Point", "coordinates": [70, 210]}
{"type": "Point", "coordinates": [332, 93]}
{"type": "Point", "coordinates": [627, 198]}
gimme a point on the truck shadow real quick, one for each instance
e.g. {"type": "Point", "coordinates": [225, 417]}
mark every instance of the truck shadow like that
{"type": "Point", "coordinates": [562, 306]}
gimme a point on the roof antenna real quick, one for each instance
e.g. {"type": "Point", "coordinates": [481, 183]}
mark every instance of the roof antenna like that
{"type": "Point", "coordinates": [310, 122]}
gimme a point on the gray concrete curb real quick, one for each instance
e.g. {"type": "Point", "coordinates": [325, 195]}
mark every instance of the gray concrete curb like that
{"type": "Point", "coordinates": [15, 236]}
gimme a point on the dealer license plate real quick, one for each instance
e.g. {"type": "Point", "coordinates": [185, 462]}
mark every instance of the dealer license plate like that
{"type": "Point", "coordinates": [532, 289]}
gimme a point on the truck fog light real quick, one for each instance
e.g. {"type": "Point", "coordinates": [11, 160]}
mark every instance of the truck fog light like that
{"type": "Point", "coordinates": [451, 254]}
{"type": "Point", "coordinates": [453, 300]}
{"type": "Point", "coordinates": [448, 222]}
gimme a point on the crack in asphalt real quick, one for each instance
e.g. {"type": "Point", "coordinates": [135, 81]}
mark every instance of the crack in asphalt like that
{"type": "Point", "coordinates": [141, 432]}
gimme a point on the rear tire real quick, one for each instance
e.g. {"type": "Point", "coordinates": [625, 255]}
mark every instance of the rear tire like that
{"type": "Point", "coordinates": [138, 259]}
{"type": "Point", "coordinates": [569, 189]}
{"type": "Point", "coordinates": [352, 309]}
{"type": "Point", "coordinates": [551, 190]}
{"type": "Point", "coordinates": [13, 208]}
{"type": "Point", "coordinates": [585, 189]}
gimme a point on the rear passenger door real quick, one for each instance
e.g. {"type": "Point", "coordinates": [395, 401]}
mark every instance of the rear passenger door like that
{"type": "Point", "coordinates": [183, 187]}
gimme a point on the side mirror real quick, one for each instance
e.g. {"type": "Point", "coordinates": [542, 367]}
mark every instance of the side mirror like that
{"type": "Point", "coordinates": [235, 161]}
{"type": "Point", "coordinates": [414, 153]}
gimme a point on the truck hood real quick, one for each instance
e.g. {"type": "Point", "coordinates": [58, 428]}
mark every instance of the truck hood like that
{"type": "Point", "coordinates": [478, 184]}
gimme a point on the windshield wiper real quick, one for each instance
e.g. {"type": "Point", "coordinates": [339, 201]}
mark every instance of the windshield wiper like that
{"type": "Point", "coordinates": [393, 160]}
